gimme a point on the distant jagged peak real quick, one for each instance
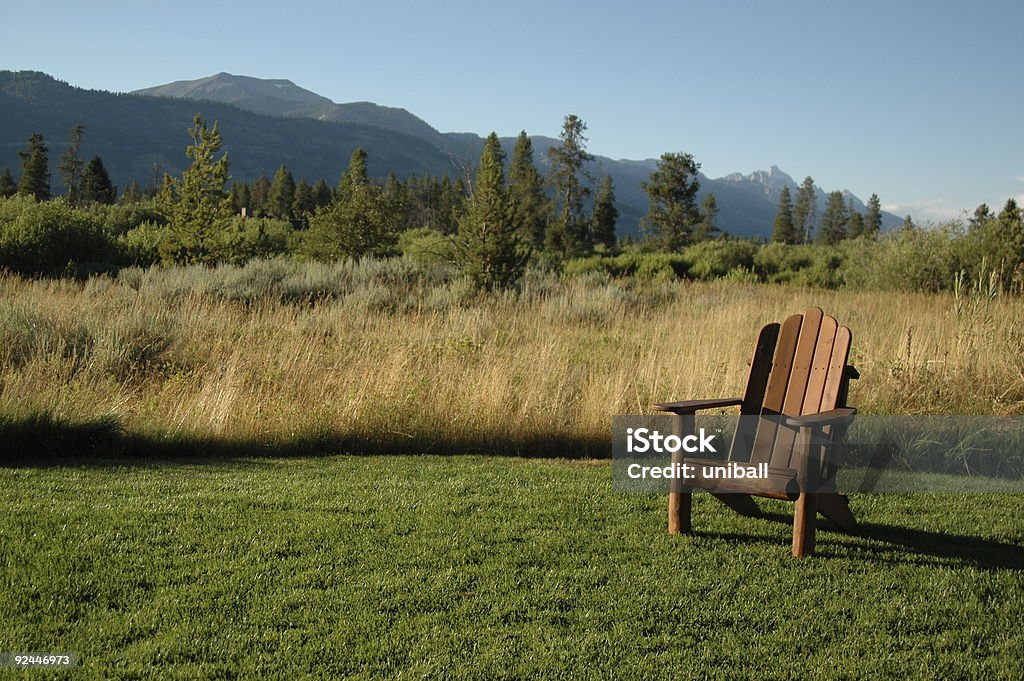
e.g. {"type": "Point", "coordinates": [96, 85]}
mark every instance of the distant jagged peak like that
{"type": "Point", "coordinates": [774, 178]}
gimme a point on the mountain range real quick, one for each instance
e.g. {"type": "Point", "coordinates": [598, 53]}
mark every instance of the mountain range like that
{"type": "Point", "coordinates": [265, 123]}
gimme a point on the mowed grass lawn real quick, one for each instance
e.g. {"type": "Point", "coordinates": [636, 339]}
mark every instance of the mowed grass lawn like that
{"type": "Point", "coordinates": [483, 567]}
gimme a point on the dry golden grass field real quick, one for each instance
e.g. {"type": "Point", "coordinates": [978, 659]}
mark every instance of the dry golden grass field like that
{"type": "Point", "coordinates": [384, 357]}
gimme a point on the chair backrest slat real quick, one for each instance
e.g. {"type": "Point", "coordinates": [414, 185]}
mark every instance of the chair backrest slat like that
{"type": "Point", "coordinates": [796, 390]}
{"type": "Point", "coordinates": [760, 370]}
{"type": "Point", "coordinates": [832, 393]}
{"type": "Point", "coordinates": [819, 366]}
{"type": "Point", "coordinates": [775, 392]}
{"type": "Point", "coordinates": [753, 396]}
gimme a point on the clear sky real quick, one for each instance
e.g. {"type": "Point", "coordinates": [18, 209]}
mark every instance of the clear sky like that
{"type": "Point", "coordinates": [919, 102]}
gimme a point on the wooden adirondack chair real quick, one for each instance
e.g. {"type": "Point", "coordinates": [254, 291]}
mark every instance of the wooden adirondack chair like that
{"type": "Point", "coordinates": [799, 378]}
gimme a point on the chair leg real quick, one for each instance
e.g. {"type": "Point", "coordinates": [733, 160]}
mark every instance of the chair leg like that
{"type": "Point", "coordinates": [679, 507]}
{"type": "Point", "coordinates": [803, 524]}
{"type": "Point", "coordinates": [680, 498]}
{"type": "Point", "coordinates": [836, 507]}
{"type": "Point", "coordinates": [743, 504]}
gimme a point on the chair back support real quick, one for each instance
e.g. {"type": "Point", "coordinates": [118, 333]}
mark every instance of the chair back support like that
{"type": "Point", "coordinates": [799, 367]}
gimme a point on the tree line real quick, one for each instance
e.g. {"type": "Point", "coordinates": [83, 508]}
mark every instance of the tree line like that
{"type": "Point", "coordinates": [491, 220]}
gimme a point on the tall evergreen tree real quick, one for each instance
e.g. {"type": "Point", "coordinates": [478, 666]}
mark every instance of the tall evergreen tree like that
{"type": "Point", "coordinates": [35, 169]}
{"type": "Point", "coordinates": [1011, 232]}
{"type": "Point", "coordinates": [569, 232]}
{"type": "Point", "coordinates": [131, 194]}
{"type": "Point", "coordinates": [854, 221]}
{"type": "Point", "coordinates": [982, 214]}
{"type": "Point", "coordinates": [260, 195]}
{"type": "Point", "coordinates": [396, 201]}
{"type": "Point", "coordinates": [356, 175]}
{"type": "Point", "coordinates": [282, 194]}
{"type": "Point", "coordinates": [241, 198]}
{"type": "Point", "coordinates": [707, 228]}
{"type": "Point", "coordinates": [197, 205]}
{"type": "Point", "coordinates": [805, 210]}
{"type": "Point", "coordinates": [95, 186]}
{"type": "Point", "coordinates": [605, 213]}
{"type": "Point", "coordinates": [672, 191]}
{"type": "Point", "coordinates": [1010, 215]}
{"type": "Point", "coordinates": [451, 198]}
{"type": "Point", "coordinates": [490, 248]}
{"type": "Point", "coordinates": [358, 221]}
{"type": "Point", "coordinates": [322, 194]}
{"type": "Point", "coordinates": [833, 220]}
{"type": "Point", "coordinates": [873, 216]}
{"type": "Point", "coordinates": [784, 229]}
{"type": "Point", "coordinates": [8, 187]}
{"type": "Point", "coordinates": [71, 166]}
{"type": "Point", "coordinates": [305, 202]}
{"type": "Point", "coordinates": [531, 209]}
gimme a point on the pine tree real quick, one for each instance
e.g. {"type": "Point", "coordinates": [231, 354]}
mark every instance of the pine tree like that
{"type": "Point", "coordinates": [854, 221]}
{"type": "Point", "coordinates": [282, 194]}
{"type": "Point", "coordinates": [1010, 215]}
{"type": "Point", "coordinates": [395, 201]}
{"type": "Point", "coordinates": [304, 203]}
{"type": "Point", "coordinates": [132, 194]}
{"type": "Point", "coordinates": [322, 195]}
{"type": "Point", "coordinates": [569, 232]}
{"type": "Point", "coordinates": [605, 213]}
{"type": "Point", "coordinates": [8, 187]}
{"type": "Point", "coordinates": [197, 206]}
{"type": "Point", "coordinates": [805, 210]}
{"type": "Point", "coordinates": [241, 198]}
{"type": "Point", "coordinates": [70, 166]}
{"type": "Point", "coordinates": [451, 200]}
{"type": "Point", "coordinates": [95, 186]}
{"type": "Point", "coordinates": [707, 227]}
{"type": "Point", "coordinates": [783, 229]}
{"type": "Point", "coordinates": [358, 221]}
{"type": "Point", "coordinates": [873, 216]}
{"type": "Point", "coordinates": [1011, 232]}
{"type": "Point", "coordinates": [531, 208]}
{"type": "Point", "coordinates": [259, 195]}
{"type": "Point", "coordinates": [982, 215]}
{"type": "Point", "coordinates": [356, 175]}
{"type": "Point", "coordinates": [672, 191]}
{"type": "Point", "coordinates": [833, 220]}
{"type": "Point", "coordinates": [490, 248]}
{"type": "Point", "coordinates": [35, 169]}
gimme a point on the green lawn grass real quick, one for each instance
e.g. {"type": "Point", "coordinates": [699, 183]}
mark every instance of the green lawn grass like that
{"type": "Point", "coordinates": [439, 567]}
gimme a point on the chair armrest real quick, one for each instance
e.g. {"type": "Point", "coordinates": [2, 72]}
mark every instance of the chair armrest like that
{"type": "Point", "coordinates": [693, 406]}
{"type": "Point", "coordinates": [822, 419]}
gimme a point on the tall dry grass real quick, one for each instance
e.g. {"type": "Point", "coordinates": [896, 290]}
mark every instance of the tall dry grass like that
{"type": "Point", "coordinates": [385, 356]}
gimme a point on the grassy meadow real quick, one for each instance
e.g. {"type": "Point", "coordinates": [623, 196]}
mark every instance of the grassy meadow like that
{"type": "Point", "coordinates": [189, 490]}
{"type": "Point", "coordinates": [387, 357]}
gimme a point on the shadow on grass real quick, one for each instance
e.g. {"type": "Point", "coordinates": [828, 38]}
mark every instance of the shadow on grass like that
{"type": "Point", "coordinates": [895, 544]}
{"type": "Point", "coordinates": [45, 441]}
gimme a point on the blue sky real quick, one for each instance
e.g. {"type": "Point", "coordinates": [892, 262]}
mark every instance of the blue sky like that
{"type": "Point", "coordinates": [919, 102]}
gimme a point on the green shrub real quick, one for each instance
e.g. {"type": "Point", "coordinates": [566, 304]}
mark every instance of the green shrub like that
{"type": "Point", "coordinates": [426, 246]}
{"type": "Point", "coordinates": [825, 270]}
{"type": "Point", "coordinates": [640, 264]}
{"type": "Point", "coordinates": [780, 263]}
{"type": "Point", "coordinates": [909, 259]}
{"type": "Point", "coordinates": [717, 257]}
{"type": "Point", "coordinates": [244, 239]}
{"type": "Point", "coordinates": [118, 219]}
{"type": "Point", "coordinates": [51, 238]}
{"type": "Point", "coordinates": [141, 245]}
